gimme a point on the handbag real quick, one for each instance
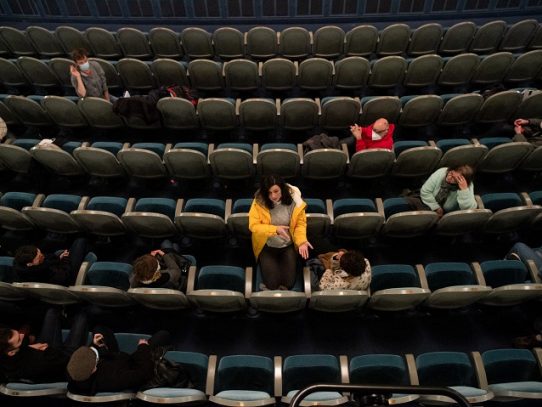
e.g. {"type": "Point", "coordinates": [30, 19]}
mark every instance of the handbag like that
{"type": "Point", "coordinates": [166, 372]}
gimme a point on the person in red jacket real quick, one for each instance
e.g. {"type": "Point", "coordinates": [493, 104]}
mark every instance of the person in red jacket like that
{"type": "Point", "coordinates": [376, 135]}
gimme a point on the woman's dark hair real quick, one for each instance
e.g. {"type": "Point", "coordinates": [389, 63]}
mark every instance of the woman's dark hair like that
{"type": "Point", "coordinates": [5, 336]}
{"type": "Point", "coordinates": [79, 53]}
{"type": "Point", "coordinates": [353, 263]}
{"type": "Point", "coordinates": [25, 255]}
{"type": "Point", "coordinates": [144, 267]}
{"type": "Point", "coordinates": [466, 170]}
{"type": "Point", "coordinates": [266, 183]}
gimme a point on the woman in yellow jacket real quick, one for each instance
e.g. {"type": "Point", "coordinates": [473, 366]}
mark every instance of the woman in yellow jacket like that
{"type": "Point", "coordinates": [279, 228]}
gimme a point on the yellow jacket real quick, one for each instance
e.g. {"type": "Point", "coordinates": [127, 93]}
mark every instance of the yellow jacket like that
{"type": "Point", "coordinates": [259, 223]}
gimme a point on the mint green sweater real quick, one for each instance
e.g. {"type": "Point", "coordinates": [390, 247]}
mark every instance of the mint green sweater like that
{"type": "Point", "coordinates": [460, 199]}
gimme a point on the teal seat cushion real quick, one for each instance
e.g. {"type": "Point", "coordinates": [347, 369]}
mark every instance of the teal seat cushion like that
{"type": "Point", "coordinates": [62, 202]}
{"type": "Point", "coordinates": [243, 395]}
{"type": "Point", "coordinates": [165, 206]}
{"type": "Point", "coordinates": [528, 387]}
{"type": "Point", "coordinates": [393, 276]}
{"type": "Point", "coordinates": [169, 392]}
{"type": "Point", "coordinates": [491, 142]}
{"type": "Point", "coordinates": [109, 274]}
{"type": "Point", "coordinates": [70, 146]}
{"type": "Point", "coordinates": [206, 205]}
{"type": "Point", "coordinates": [468, 391]}
{"type": "Point", "coordinates": [110, 146]}
{"type": "Point", "coordinates": [447, 274]}
{"type": "Point", "coordinates": [242, 205]}
{"type": "Point", "coordinates": [17, 200]}
{"type": "Point", "coordinates": [318, 396]}
{"type": "Point", "coordinates": [37, 386]}
{"type": "Point", "coordinates": [283, 146]}
{"type": "Point", "coordinates": [315, 205]}
{"type": "Point", "coordinates": [221, 278]}
{"type": "Point", "coordinates": [201, 147]}
{"type": "Point", "coordinates": [499, 201]}
{"type": "Point", "coordinates": [157, 148]}
{"type": "Point", "coordinates": [396, 205]}
{"type": "Point", "coordinates": [350, 205]}
{"type": "Point", "coordinates": [448, 144]}
{"type": "Point", "coordinates": [503, 272]}
{"type": "Point", "coordinates": [240, 146]}
{"type": "Point", "coordinates": [26, 143]}
{"type": "Point", "coordinates": [111, 204]}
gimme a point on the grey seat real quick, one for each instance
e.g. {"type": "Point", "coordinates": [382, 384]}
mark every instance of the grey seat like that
{"type": "Point", "coordinates": [457, 38]}
{"type": "Point", "coordinates": [100, 215]}
{"type": "Point", "coordinates": [16, 42]}
{"type": "Point", "coordinates": [136, 75]}
{"type": "Point", "coordinates": [458, 70]}
{"type": "Point", "coordinates": [202, 218]}
{"type": "Point", "coordinates": [423, 71]}
{"type": "Point", "coordinates": [351, 73]}
{"type": "Point", "coordinates": [61, 69]}
{"type": "Point", "coordinates": [99, 113]}
{"type": "Point", "coordinates": [278, 158]}
{"type": "Point", "coordinates": [169, 72]}
{"type": "Point", "coordinates": [504, 157]}
{"type": "Point", "coordinates": [58, 160]}
{"type": "Point", "coordinates": [525, 68]}
{"type": "Point", "coordinates": [328, 42]}
{"type": "Point", "coordinates": [44, 41]}
{"type": "Point", "coordinates": [261, 42]}
{"type": "Point", "coordinates": [536, 41]}
{"type": "Point", "coordinates": [488, 37]}
{"type": "Point", "coordinates": [531, 106]}
{"type": "Point", "coordinates": [152, 217]}
{"type": "Point", "coordinates": [356, 218]}
{"type": "Point", "coordinates": [134, 43]}
{"type": "Point", "coordinates": [420, 110]}
{"type": "Point", "coordinates": [258, 114]}
{"type": "Point", "coordinates": [206, 75]}
{"type": "Point", "coordinates": [371, 163]}
{"type": "Point", "coordinates": [100, 159]}
{"type": "Point", "coordinates": [324, 164]}
{"type": "Point", "coordinates": [64, 112]}
{"type": "Point", "coordinates": [103, 43]}
{"type": "Point", "coordinates": [53, 213]}
{"type": "Point", "coordinates": [11, 76]}
{"type": "Point", "coordinates": [196, 43]}
{"type": "Point", "coordinates": [71, 38]}
{"type": "Point", "coordinates": [241, 75]}
{"type": "Point", "coordinates": [165, 43]}
{"type": "Point", "coordinates": [143, 160]}
{"type": "Point", "coordinates": [233, 161]}
{"type": "Point", "coordinates": [38, 73]}
{"type": "Point", "coordinates": [295, 43]}
{"type": "Point", "coordinates": [217, 114]}
{"type": "Point", "coordinates": [460, 152]}
{"type": "Point", "coordinates": [15, 154]}
{"type": "Point", "coordinates": [111, 75]}
{"type": "Point", "coordinates": [375, 107]}
{"type": "Point", "coordinates": [416, 162]}
{"type": "Point", "coordinates": [393, 40]}
{"type": "Point", "coordinates": [177, 113]}
{"type": "Point", "coordinates": [299, 114]}
{"type": "Point", "coordinates": [533, 161]}
{"type": "Point", "coordinates": [278, 74]}
{"type": "Point", "coordinates": [499, 107]}
{"type": "Point", "coordinates": [229, 43]}
{"type": "Point", "coordinates": [188, 161]}
{"type": "Point", "coordinates": [28, 111]}
{"type": "Point", "coordinates": [492, 68]}
{"type": "Point", "coordinates": [315, 74]}
{"type": "Point", "coordinates": [11, 217]}
{"type": "Point", "coordinates": [387, 72]}
{"type": "Point", "coordinates": [8, 116]}
{"type": "Point", "coordinates": [361, 41]}
{"type": "Point", "coordinates": [339, 112]}
{"type": "Point", "coordinates": [460, 109]}
{"type": "Point", "coordinates": [425, 39]}
{"type": "Point", "coordinates": [458, 223]}
{"type": "Point", "coordinates": [519, 35]}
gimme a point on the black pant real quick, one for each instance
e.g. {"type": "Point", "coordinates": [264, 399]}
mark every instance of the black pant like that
{"type": "Point", "coordinates": [160, 338]}
{"type": "Point", "coordinates": [78, 251]}
{"type": "Point", "coordinates": [278, 266]}
{"type": "Point", "coordinates": [51, 331]}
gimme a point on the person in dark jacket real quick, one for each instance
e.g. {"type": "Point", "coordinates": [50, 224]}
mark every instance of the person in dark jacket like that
{"type": "Point", "coordinates": [160, 270]}
{"type": "Point", "coordinates": [31, 264]}
{"type": "Point", "coordinates": [529, 130]}
{"type": "Point", "coordinates": [44, 360]}
{"type": "Point", "coordinates": [101, 367]}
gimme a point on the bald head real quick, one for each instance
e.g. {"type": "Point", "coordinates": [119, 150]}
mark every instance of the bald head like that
{"type": "Point", "coordinates": [381, 126]}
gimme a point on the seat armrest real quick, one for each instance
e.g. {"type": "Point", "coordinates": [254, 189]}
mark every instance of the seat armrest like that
{"type": "Point", "coordinates": [82, 273]}
{"type": "Point", "coordinates": [479, 370]}
{"type": "Point", "coordinates": [38, 200]}
{"type": "Point", "coordinates": [191, 279]}
{"type": "Point", "coordinates": [300, 153]}
{"type": "Point", "coordinates": [479, 202]}
{"type": "Point", "coordinates": [533, 271]}
{"type": "Point", "coordinates": [255, 148]}
{"type": "Point", "coordinates": [307, 282]}
{"type": "Point", "coordinates": [345, 376]}
{"type": "Point", "coordinates": [344, 149]}
{"type": "Point", "coordinates": [227, 214]}
{"type": "Point", "coordinates": [83, 203]}
{"type": "Point", "coordinates": [329, 209]}
{"type": "Point", "coordinates": [277, 364]}
{"type": "Point", "coordinates": [421, 275]}
{"type": "Point", "coordinates": [380, 207]}
{"type": "Point", "coordinates": [412, 370]}
{"type": "Point", "coordinates": [527, 199]}
{"type": "Point", "coordinates": [237, 106]}
{"type": "Point", "coordinates": [130, 205]}
{"type": "Point", "coordinates": [538, 355]}
{"type": "Point", "coordinates": [179, 207]}
{"type": "Point", "coordinates": [248, 282]}
{"type": "Point", "coordinates": [211, 373]}
{"type": "Point", "coordinates": [478, 274]}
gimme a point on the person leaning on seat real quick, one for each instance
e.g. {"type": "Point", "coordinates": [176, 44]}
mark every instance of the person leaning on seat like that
{"type": "Point", "coordinates": [278, 224]}
{"type": "Point", "coordinates": [345, 270]}
{"type": "Point", "coordinates": [529, 130]}
{"type": "Point", "coordinates": [88, 77]}
{"type": "Point", "coordinates": [446, 190]}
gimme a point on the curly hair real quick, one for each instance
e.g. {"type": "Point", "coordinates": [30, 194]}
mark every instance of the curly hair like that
{"type": "Point", "coordinates": [144, 267]}
{"type": "Point", "coordinates": [353, 262]}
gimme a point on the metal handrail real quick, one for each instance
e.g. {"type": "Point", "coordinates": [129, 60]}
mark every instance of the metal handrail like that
{"type": "Point", "coordinates": [359, 390]}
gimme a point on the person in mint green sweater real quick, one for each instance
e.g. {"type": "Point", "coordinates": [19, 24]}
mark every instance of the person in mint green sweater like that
{"type": "Point", "coordinates": [449, 189]}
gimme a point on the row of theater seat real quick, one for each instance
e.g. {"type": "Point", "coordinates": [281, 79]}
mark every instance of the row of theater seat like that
{"type": "Point", "coordinates": [27, 74]}
{"type": "Point", "coordinates": [233, 162]}
{"type": "Point", "coordinates": [264, 42]}
{"type": "Point", "coordinates": [235, 380]}
{"type": "Point", "coordinates": [266, 114]}
{"type": "Point", "coordinates": [348, 219]}
{"type": "Point", "coordinates": [223, 289]}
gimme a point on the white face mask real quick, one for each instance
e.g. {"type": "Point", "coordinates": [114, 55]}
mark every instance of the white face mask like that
{"type": "Point", "coordinates": [85, 66]}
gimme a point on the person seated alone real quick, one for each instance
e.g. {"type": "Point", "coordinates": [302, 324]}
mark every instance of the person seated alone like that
{"type": "Point", "coordinates": [88, 77]}
{"type": "Point", "coordinates": [45, 361]}
{"type": "Point", "coordinates": [529, 130]}
{"type": "Point", "coordinates": [376, 135]}
{"type": "Point", "coordinates": [522, 252]}
{"type": "Point", "coordinates": [446, 190]}
{"type": "Point", "coordinates": [160, 270]}
{"type": "Point", "coordinates": [31, 264]}
{"type": "Point", "coordinates": [101, 367]}
{"type": "Point", "coordinates": [345, 270]}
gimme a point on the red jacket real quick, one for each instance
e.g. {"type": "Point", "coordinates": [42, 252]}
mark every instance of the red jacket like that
{"type": "Point", "coordinates": [368, 142]}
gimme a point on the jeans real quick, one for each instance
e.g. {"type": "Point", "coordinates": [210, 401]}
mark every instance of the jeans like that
{"type": "Point", "coordinates": [78, 251]}
{"type": "Point", "coordinates": [527, 253]}
{"type": "Point", "coordinates": [51, 331]}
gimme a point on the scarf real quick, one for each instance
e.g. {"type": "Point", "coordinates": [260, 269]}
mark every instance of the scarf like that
{"type": "Point", "coordinates": [444, 191]}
